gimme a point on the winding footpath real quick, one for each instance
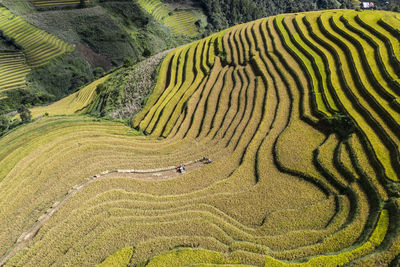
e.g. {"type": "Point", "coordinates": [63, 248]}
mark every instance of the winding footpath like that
{"type": "Point", "coordinates": [149, 174]}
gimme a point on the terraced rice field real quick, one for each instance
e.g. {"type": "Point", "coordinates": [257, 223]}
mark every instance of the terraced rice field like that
{"type": "Point", "coordinates": [282, 188]}
{"type": "Point", "coordinates": [38, 48]}
{"type": "Point", "coordinates": [13, 69]}
{"type": "Point", "coordinates": [55, 3]}
{"type": "Point", "coordinates": [180, 22]}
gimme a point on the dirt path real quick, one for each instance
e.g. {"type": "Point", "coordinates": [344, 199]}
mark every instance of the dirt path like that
{"type": "Point", "coordinates": [149, 174]}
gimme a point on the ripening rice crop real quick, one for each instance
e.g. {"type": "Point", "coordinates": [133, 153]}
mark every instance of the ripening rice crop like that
{"type": "Point", "coordinates": [299, 114]}
{"type": "Point", "coordinates": [38, 47]}
{"type": "Point", "coordinates": [180, 22]}
{"type": "Point", "coordinates": [13, 69]}
{"type": "Point", "coordinates": [55, 3]}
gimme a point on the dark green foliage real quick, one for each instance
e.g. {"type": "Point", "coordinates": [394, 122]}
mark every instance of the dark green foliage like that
{"type": "Point", "coordinates": [92, 26]}
{"type": "Point", "coordinates": [100, 88]}
{"type": "Point", "coordinates": [394, 189]}
{"type": "Point", "coordinates": [61, 76]}
{"type": "Point", "coordinates": [146, 52]}
{"type": "Point", "coordinates": [5, 46]}
{"type": "Point", "coordinates": [24, 113]}
{"type": "Point", "coordinates": [391, 5]}
{"type": "Point", "coordinates": [340, 124]}
{"type": "Point", "coordinates": [22, 96]}
{"type": "Point", "coordinates": [4, 125]}
{"type": "Point", "coordinates": [146, 36]}
{"type": "Point", "coordinates": [224, 13]}
{"type": "Point", "coordinates": [82, 4]}
{"type": "Point", "coordinates": [128, 62]}
{"type": "Point", "coordinates": [105, 37]}
{"type": "Point", "coordinates": [97, 72]}
{"type": "Point", "coordinates": [8, 44]}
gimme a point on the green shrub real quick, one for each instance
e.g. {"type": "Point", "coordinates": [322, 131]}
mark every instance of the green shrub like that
{"type": "Point", "coordinates": [25, 114]}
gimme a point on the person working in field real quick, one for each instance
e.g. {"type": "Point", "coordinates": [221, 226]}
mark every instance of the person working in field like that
{"type": "Point", "coordinates": [206, 160]}
{"type": "Point", "coordinates": [180, 168]}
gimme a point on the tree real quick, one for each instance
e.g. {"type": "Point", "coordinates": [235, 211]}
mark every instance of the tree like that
{"type": "Point", "coordinates": [25, 114]}
{"type": "Point", "coordinates": [4, 125]}
{"type": "Point", "coordinates": [98, 71]}
{"type": "Point", "coordinates": [82, 3]}
{"type": "Point", "coordinates": [128, 62]}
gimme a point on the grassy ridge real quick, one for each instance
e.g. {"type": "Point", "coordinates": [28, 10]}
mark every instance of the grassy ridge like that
{"type": "Point", "coordinates": [296, 119]}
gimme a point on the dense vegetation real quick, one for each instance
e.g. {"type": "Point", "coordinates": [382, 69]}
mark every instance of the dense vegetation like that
{"type": "Point", "coordinates": [61, 76]}
{"type": "Point", "coordinates": [125, 92]}
{"type": "Point", "coordinates": [300, 116]}
{"type": "Point", "coordinates": [225, 13]}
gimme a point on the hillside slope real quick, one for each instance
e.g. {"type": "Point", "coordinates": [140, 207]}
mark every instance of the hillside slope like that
{"type": "Point", "coordinates": [37, 48]}
{"type": "Point", "coordinates": [299, 116]}
{"type": "Point", "coordinates": [102, 36]}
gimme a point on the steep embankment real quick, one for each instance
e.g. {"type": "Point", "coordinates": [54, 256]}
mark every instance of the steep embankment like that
{"type": "Point", "coordinates": [299, 114]}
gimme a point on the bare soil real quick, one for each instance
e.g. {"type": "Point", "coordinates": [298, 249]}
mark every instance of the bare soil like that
{"type": "Point", "coordinates": [92, 58]}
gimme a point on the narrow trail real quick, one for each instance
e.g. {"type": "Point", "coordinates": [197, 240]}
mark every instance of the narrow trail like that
{"type": "Point", "coordinates": [149, 174]}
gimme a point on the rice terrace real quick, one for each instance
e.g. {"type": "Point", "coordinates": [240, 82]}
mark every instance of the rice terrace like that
{"type": "Point", "coordinates": [273, 142]}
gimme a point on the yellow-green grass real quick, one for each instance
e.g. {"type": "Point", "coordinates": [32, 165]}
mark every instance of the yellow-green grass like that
{"type": "Point", "coordinates": [180, 22]}
{"type": "Point", "coordinates": [280, 190]}
{"type": "Point", "coordinates": [119, 258]}
{"type": "Point", "coordinates": [38, 46]}
{"type": "Point", "coordinates": [13, 69]}
{"type": "Point", "coordinates": [55, 3]}
{"type": "Point", "coordinates": [73, 104]}
{"type": "Point", "coordinates": [159, 9]}
{"type": "Point", "coordinates": [184, 257]}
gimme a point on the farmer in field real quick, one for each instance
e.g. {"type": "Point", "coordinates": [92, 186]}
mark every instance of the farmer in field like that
{"type": "Point", "coordinates": [180, 168]}
{"type": "Point", "coordinates": [206, 160]}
